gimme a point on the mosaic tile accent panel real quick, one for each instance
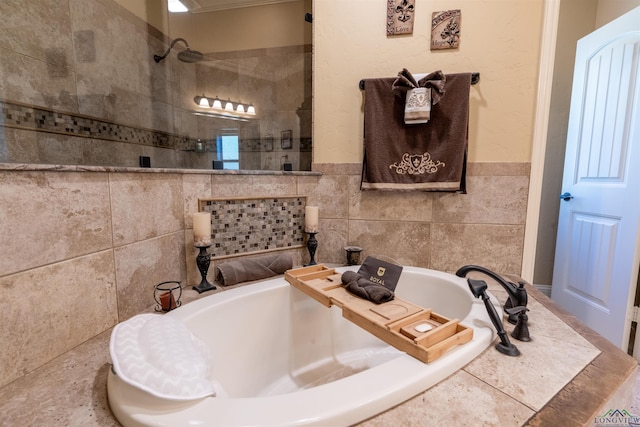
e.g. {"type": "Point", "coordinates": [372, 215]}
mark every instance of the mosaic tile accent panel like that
{"type": "Point", "coordinates": [41, 119]}
{"type": "Point", "coordinates": [242, 225]}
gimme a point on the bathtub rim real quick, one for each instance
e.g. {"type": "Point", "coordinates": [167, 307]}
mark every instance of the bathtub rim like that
{"type": "Point", "coordinates": [343, 401]}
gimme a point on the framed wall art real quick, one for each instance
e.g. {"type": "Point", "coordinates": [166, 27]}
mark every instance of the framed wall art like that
{"type": "Point", "coordinates": [445, 29]}
{"type": "Point", "coordinates": [400, 17]}
{"type": "Point", "coordinates": [268, 142]}
{"type": "Point", "coordinates": [285, 139]}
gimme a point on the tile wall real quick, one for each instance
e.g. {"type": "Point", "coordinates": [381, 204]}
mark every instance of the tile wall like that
{"type": "Point", "coordinates": [82, 250]}
{"type": "Point", "coordinates": [79, 86]}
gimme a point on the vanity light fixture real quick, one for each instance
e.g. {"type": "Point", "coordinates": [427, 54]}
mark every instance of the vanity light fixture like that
{"type": "Point", "coordinates": [241, 109]}
{"type": "Point", "coordinates": [202, 101]}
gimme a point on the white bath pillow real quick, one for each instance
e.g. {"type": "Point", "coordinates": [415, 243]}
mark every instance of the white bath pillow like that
{"type": "Point", "coordinates": [159, 355]}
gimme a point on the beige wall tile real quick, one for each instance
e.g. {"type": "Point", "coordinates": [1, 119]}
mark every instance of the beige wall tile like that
{"type": "Point", "coordinates": [141, 266]}
{"type": "Point", "coordinates": [118, 71]}
{"type": "Point", "coordinates": [49, 17]}
{"type": "Point", "coordinates": [47, 311]}
{"type": "Point", "coordinates": [194, 187]}
{"type": "Point", "coordinates": [331, 239]}
{"type": "Point", "coordinates": [407, 243]}
{"type": "Point", "coordinates": [498, 169]}
{"type": "Point", "coordinates": [338, 168]}
{"type": "Point", "coordinates": [145, 205]}
{"type": "Point", "coordinates": [32, 81]}
{"type": "Point", "coordinates": [51, 216]}
{"type": "Point", "coordinates": [251, 186]}
{"type": "Point", "coordinates": [329, 192]}
{"type": "Point", "coordinates": [489, 200]}
{"type": "Point", "coordinates": [496, 247]}
{"type": "Point", "coordinates": [388, 205]}
{"type": "Point", "coordinates": [24, 146]}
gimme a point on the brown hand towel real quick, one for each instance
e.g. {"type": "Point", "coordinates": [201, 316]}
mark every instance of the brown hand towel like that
{"type": "Point", "coordinates": [366, 289]}
{"type": "Point", "coordinates": [424, 157]}
{"type": "Point", "coordinates": [233, 272]}
{"type": "Point", "coordinates": [420, 95]}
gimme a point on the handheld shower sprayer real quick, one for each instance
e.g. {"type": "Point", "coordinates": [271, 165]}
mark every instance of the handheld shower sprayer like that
{"type": "Point", "coordinates": [188, 55]}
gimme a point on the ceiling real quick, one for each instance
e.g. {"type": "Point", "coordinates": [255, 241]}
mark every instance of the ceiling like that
{"type": "Point", "coordinates": [201, 6]}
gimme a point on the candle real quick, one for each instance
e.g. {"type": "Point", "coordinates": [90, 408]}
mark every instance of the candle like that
{"type": "Point", "coordinates": [167, 301]}
{"type": "Point", "coordinates": [202, 228]}
{"type": "Point", "coordinates": [311, 219]}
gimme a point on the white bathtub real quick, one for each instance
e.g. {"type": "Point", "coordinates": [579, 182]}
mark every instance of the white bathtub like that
{"type": "Point", "coordinates": [284, 359]}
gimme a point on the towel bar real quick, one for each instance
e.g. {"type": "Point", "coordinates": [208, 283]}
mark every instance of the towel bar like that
{"type": "Point", "coordinates": [475, 78]}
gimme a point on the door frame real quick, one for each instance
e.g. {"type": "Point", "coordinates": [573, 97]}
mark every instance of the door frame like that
{"type": "Point", "coordinates": [540, 130]}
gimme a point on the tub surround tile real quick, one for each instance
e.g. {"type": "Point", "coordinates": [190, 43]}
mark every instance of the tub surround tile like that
{"type": "Point", "coordinates": [593, 390]}
{"type": "Point", "coordinates": [388, 205]}
{"type": "Point", "coordinates": [496, 247]}
{"type": "Point", "coordinates": [333, 234]}
{"type": "Point", "coordinates": [498, 169]}
{"type": "Point", "coordinates": [337, 168]}
{"type": "Point", "coordinates": [489, 200]}
{"type": "Point", "coordinates": [225, 185]}
{"type": "Point", "coordinates": [70, 391]}
{"type": "Point", "coordinates": [542, 323]}
{"type": "Point", "coordinates": [544, 367]}
{"type": "Point", "coordinates": [329, 193]}
{"type": "Point", "coordinates": [48, 324]}
{"type": "Point", "coordinates": [145, 206]}
{"type": "Point", "coordinates": [407, 243]}
{"type": "Point", "coordinates": [142, 265]}
{"type": "Point", "coordinates": [456, 402]}
{"type": "Point", "coordinates": [194, 187]}
{"type": "Point", "coordinates": [624, 397]}
{"type": "Point", "coordinates": [55, 216]}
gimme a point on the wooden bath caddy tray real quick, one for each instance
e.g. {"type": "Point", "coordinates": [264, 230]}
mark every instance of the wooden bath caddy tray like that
{"type": "Point", "coordinates": [417, 331]}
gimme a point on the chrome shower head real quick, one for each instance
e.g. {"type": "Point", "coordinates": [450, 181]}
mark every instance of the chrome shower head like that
{"type": "Point", "coordinates": [188, 55]}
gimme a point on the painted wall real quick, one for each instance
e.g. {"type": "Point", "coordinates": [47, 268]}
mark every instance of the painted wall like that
{"type": "Point", "coordinates": [232, 29]}
{"type": "Point", "coordinates": [244, 28]}
{"type": "Point", "coordinates": [608, 10]}
{"type": "Point", "coordinates": [500, 39]}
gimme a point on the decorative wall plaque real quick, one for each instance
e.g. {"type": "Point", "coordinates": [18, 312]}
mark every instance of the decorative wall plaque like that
{"type": "Point", "coordinates": [445, 29]}
{"type": "Point", "coordinates": [400, 17]}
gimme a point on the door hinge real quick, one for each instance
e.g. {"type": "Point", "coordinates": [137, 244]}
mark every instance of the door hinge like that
{"type": "Point", "coordinates": [635, 315]}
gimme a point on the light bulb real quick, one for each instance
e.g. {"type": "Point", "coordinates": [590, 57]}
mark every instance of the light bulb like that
{"type": "Point", "coordinates": [240, 108]}
{"type": "Point", "coordinates": [228, 106]}
{"type": "Point", "coordinates": [217, 103]}
{"type": "Point", "coordinates": [204, 102]}
{"type": "Point", "coordinates": [251, 110]}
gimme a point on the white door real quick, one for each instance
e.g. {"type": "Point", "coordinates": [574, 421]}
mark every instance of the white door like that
{"type": "Point", "coordinates": [597, 248]}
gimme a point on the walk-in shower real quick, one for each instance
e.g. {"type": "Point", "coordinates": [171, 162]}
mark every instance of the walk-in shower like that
{"type": "Point", "coordinates": [188, 55]}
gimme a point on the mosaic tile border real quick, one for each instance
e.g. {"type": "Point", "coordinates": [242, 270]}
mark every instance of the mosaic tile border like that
{"type": "Point", "coordinates": [41, 119]}
{"type": "Point", "coordinates": [246, 225]}
{"type": "Point", "coordinates": [21, 116]}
